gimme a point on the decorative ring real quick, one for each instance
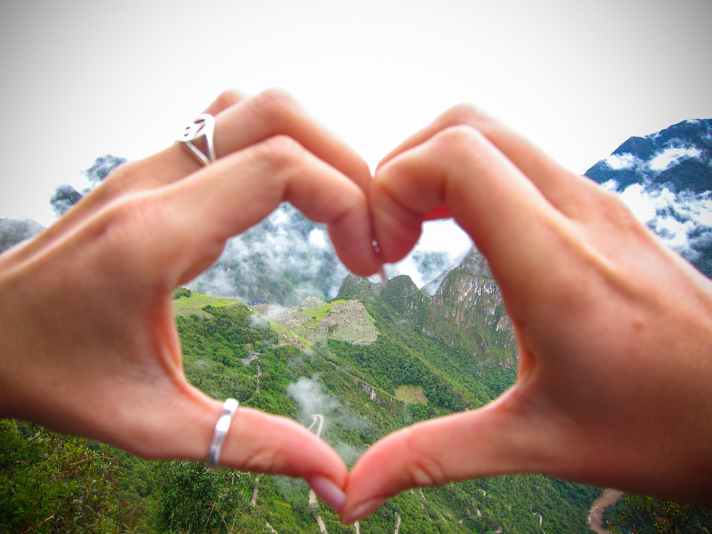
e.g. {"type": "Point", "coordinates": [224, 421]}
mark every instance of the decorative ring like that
{"type": "Point", "coordinates": [221, 428]}
{"type": "Point", "coordinates": [202, 126]}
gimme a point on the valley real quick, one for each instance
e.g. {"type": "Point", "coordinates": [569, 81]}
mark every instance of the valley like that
{"type": "Point", "coordinates": [278, 324]}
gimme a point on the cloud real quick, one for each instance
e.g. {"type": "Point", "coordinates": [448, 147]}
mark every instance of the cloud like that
{"type": "Point", "coordinates": [258, 322]}
{"type": "Point", "coordinates": [287, 258]}
{"type": "Point", "coordinates": [441, 248]}
{"type": "Point", "coordinates": [683, 220]}
{"type": "Point", "coordinates": [619, 162]}
{"type": "Point", "coordinates": [672, 156]}
{"type": "Point", "coordinates": [309, 394]}
{"type": "Point", "coordinates": [611, 185]}
{"type": "Point", "coordinates": [317, 239]}
{"type": "Point", "coordinates": [312, 400]}
{"type": "Point", "coordinates": [643, 203]}
{"type": "Point", "coordinates": [349, 454]}
{"type": "Point", "coordinates": [65, 196]}
{"type": "Point", "coordinates": [282, 260]}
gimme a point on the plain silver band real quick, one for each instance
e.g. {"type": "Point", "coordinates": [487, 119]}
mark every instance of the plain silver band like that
{"type": "Point", "coordinates": [202, 126]}
{"type": "Point", "coordinates": [221, 428]}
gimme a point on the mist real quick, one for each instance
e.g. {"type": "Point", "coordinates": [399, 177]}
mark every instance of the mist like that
{"type": "Point", "coordinates": [309, 394]}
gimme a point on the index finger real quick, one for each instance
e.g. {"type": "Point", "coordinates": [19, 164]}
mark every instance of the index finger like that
{"type": "Point", "coordinates": [489, 197]}
{"type": "Point", "coordinates": [560, 186]}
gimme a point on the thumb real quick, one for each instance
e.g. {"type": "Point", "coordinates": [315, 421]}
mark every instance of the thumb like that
{"type": "Point", "coordinates": [496, 439]}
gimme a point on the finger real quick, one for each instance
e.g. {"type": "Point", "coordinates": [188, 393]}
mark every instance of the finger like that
{"type": "Point", "coordinates": [264, 443]}
{"type": "Point", "coordinates": [165, 168]}
{"type": "Point", "coordinates": [241, 122]}
{"type": "Point", "coordinates": [561, 187]}
{"type": "Point", "coordinates": [187, 224]}
{"type": "Point", "coordinates": [274, 112]}
{"type": "Point", "coordinates": [225, 100]}
{"type": "Point", "coordinates": [182, 426]}
{"type": "Point", "coordinates": [441, 212]}
{"type": "Point", "coordinates": [507, 217]}
{"type": "Point", "coordinates": [492, 440]}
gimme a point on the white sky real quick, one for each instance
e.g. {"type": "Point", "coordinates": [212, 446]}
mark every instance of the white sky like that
{"type": "Point", "coordinates": [84, 78]}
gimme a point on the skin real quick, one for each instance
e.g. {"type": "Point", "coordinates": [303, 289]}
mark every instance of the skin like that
{"type": "Point", "coordinates": [614, 328]}
{"type": "Point", "coordinates": [89, 345]}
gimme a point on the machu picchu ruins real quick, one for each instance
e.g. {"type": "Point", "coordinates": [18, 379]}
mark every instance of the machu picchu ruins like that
{"type": "Point", "coordinates": [314, 321]}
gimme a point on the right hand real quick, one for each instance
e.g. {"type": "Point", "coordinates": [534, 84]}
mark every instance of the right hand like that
{"type": "Point", "coordinates": [614, 328]}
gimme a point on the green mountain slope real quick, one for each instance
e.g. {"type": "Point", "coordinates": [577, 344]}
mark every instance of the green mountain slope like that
{"type": "Point", "coordinates": [230, 351]}
{"type": "Point", "coordinates": [354, 387]}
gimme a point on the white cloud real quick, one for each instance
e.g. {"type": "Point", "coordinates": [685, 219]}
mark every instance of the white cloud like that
{"type": "Point", "coordinates": [444, 235]}
{"type": "Point", "coordinates": [284, 243]}
{"type": "Point", "coordinates": [619, 162]}
{"type": "Point", "coordinates": [317, 239]}
{"type": "Point", "coordinates": [642, 203]}
{"type": "Point", "coordinates": [670, 156]}
{"type": "Point", "coordinates": [442, 246]}
{"type": "Point", "coordinates": [682, 220]}
{"type": "Point", "coordinates": [611, 185]}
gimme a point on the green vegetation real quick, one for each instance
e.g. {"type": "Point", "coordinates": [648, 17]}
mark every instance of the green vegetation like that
{"type": "Point", "coordinates": [55, 483]}
{"type": "Point", "coordinates": [411, 394]}
{"type": "Point", "coordinates": [314, 321]}
{"type": "Point", "coordinates": [181, 292]}
{"type": "Point", "coordinates": [637, 514]}
{"type": "Point", "coordinates": [358, 385]}
{"type": "Point", "coordinates": [319, 313]}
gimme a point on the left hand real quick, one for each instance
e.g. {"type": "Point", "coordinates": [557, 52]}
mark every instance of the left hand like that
{"type": "Point", "coordinates": [89, 344]}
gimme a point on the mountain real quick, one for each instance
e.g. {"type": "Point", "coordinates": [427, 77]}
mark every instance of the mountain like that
{"type": "Point", "coordinates": [281, 260]}
{"type": "Point", "coordinates": [364, 389]}
{"type": "Point", "coordinates": [14, 231]}
{"type": "Point", "coordinates": [286, 258]}
{"type": "Point", "coordinates": [376, 358]}
{"type": "Point", "coordinates": [666, 179]}
{"type": "Point", "coordinates": [466, 311]}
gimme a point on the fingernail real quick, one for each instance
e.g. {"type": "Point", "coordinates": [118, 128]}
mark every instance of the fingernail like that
{"type": "Point", "coordinates": [328, 492]}
{"type": "Point", "coordinates": [363, 510]}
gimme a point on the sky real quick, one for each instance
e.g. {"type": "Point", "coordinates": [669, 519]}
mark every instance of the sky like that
{"type": "Point", "coordinates": [81, 79]}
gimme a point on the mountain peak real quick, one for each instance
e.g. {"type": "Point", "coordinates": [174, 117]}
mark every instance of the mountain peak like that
{"type": "Point", "coordinates": [666, 180]}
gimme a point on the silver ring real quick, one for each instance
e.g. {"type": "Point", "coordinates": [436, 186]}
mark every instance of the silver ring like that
{"type": "Point", "coordinates": [202, 126]}
{"type": "Point", "coordinates": [221, 428]}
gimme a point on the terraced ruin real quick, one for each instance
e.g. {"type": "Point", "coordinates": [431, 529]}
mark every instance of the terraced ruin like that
{"type": "Point", "coordinates": [316, 321]}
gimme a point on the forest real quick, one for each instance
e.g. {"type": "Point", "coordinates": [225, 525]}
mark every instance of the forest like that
{"type": "Point", "coordinates": [55, 483]}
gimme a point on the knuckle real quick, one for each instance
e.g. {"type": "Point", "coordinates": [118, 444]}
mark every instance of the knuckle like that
{"type": "Point", "coordinates": [422, 469]}
{"type": "Point", "coordinates": [228, 98]}
{"type": "Point", "coordinates": [262, 461]}
{"type": "Point", "coordinates": [273, 105]}
{"type": "Point", "coordinates": [610, 207]}
{"type": "Point", "coordinates": [458, 138]}
{"type": "Point", "coordinates": [115, 230]}
{"type": "Point", "coordinates": [280, 151]}
{"type": "Point", "coordinates": [128, 215]}
{"type": "Point", "coordinates": [465, 113]}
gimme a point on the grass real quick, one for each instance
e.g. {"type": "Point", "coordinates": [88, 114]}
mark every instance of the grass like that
{"type": "Point", "coordinates": [411, 394]}
{"type": "Point", "coordinates": [197, 301]}
{"type": "Point", "coordinates": [319, 313]}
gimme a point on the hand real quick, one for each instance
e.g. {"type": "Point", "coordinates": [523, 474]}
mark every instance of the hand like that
{"type": "Point", "coordinates": [89, 345]}
{"type": "Point", "coordinates": [614, 328]}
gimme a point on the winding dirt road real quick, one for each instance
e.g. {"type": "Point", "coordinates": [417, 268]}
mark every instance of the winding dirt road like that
{"type": "Point", "coordinates": [313, 503]}
{"type": "Point", "coordinates": [595, 520]}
